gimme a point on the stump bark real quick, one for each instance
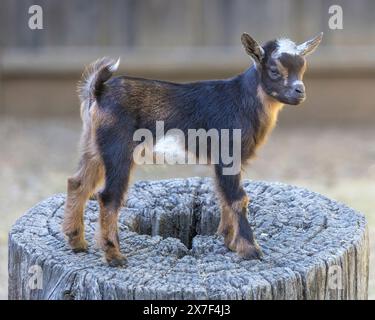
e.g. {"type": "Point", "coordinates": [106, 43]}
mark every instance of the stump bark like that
{"type": "Point", "coordinates": [314, 248]}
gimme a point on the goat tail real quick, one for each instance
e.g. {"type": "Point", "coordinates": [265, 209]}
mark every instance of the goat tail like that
{"type": "Point", "coordinates": [91, 84]}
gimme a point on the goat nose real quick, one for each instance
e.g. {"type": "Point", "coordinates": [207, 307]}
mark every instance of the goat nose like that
{"type": "Point", "coordinates": [299, 88]}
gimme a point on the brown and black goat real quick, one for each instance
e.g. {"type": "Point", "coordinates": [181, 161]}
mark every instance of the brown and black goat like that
{"type": "Point", "coordinates": [113, 108]}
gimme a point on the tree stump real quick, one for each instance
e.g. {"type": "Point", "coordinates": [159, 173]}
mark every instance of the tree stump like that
{"type": "Point", "coordinates": [314, 248]}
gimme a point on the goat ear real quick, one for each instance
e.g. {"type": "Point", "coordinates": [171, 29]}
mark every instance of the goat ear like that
{"type": "Point", "coordinates": [309, 46]}
{"type": "Point", "coordinates": [253, 49]}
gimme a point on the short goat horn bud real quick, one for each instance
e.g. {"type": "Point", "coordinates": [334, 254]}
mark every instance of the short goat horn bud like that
{"type": "Point", "coordinates": [309, 46]}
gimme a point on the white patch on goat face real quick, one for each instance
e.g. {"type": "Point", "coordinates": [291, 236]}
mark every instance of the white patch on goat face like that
{"type": "Point", "coordinates": [297, 82]}
{"type": "Point", "coordinates": [285, 46]}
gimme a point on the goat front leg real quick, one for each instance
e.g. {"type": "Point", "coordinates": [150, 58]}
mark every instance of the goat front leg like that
{"type": "Point", "coordinates": [234, 225]}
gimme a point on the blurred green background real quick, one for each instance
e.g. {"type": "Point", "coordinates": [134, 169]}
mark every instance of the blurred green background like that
{"type": "Point", "coordinates": [326, 145]}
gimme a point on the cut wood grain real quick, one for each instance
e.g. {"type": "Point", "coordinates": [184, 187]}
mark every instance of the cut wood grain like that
{"type": "Point", "coordinates": [314, 248]}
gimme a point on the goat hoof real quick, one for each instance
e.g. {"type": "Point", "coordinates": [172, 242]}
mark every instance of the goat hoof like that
{"type": "Point", "coordinates": [77, 243]}
{"type": "Point", "coordinates": [246, 249]}
{"type": "Point", "coordinates": [251, 252]}
{"type": "Point", "coordinates": [80, 246]}
{"type": "Point", "coordinates": [79, 249]}
{"type": "Point", "coordinates": [119, 261]}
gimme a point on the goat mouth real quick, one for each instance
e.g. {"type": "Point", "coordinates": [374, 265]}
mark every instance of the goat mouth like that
{"type": "Point", "coordinates": [300, 100]}
{"type": "Point", "coordinates": [295, 101]}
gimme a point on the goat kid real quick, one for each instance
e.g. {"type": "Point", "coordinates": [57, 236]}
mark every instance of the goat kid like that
{"type": "Point", "coordinates": [112, 109]}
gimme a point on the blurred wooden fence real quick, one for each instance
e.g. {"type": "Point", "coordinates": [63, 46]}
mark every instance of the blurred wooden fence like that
{"type": "Point", "coordinates": [183, 40]}
{"type": "Point", "coordinates": [180, 23]}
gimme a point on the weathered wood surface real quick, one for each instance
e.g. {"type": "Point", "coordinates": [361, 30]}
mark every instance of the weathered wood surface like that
{"type": "Point", "coordinates": [314, 248]}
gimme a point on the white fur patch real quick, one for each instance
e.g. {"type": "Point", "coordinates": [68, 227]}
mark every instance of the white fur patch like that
{"type": "Point", "coordinates": [286, 46]}
{"type": "Point", "coordinates": [297, 82]}
{"type": "Point", "coordinates": [169, 145]}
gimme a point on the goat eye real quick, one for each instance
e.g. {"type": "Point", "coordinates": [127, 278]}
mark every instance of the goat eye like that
{"type": "Point", "coordinates": [273, 73]}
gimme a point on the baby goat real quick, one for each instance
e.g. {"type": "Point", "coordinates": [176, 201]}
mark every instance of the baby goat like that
{"type": "Point", "coordinates": [112, 109]}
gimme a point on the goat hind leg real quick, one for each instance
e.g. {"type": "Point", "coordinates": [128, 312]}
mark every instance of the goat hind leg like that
{"type": "Point", "coordinates": [80, 187]}
{"type": "Point", "coordinates": [116, 149]}
{"type": "Point", "coordinates": [110, 200]}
